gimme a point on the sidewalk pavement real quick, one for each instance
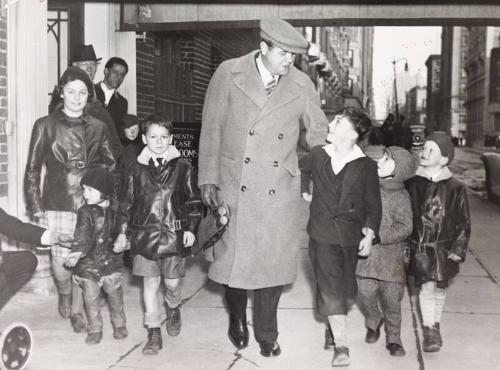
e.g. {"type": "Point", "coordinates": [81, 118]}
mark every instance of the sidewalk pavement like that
{"type": "Point", "coordinates": [470, 325]}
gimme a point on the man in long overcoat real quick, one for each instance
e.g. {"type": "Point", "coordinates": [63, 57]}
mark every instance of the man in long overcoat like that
{"type": "Point", "coordinates": [248, 160]}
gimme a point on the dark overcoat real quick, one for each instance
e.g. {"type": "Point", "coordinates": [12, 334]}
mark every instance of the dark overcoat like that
{"type": "Point", "coordinates": [248, 149]}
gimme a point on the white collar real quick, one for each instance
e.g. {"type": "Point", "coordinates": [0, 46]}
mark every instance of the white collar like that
{"type": "Point", "coordinates": [108, 93]}
{"type": "Point", "coordinates": [169, 154]}
{"type": "Point", "coordinates": [265, 74]}
{"type": "Point", "coordinates": [339, 164]}
{"type": "Point", "coordinates": [443, 174]}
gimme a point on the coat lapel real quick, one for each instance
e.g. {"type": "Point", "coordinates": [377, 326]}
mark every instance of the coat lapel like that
{"type": "Point", "coordinates": [248, 80]}
{"type": "Point", "coordinates": [350, 178]}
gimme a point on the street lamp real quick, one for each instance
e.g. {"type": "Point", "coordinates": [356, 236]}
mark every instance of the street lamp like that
{"type": "Point", "coordinates": [394, 61]}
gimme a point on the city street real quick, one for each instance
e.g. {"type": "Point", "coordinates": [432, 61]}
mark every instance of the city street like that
{"type": "Point", "coordinates": [469, 327]}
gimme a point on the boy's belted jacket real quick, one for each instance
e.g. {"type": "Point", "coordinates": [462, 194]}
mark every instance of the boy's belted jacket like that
{"type": "Point", "coordinates": [68, 146]}
{"type": "Point", "coordinates": [160, 203]}
{"type": "Point", "coordinates": [248, 148]}
{"type": "Point", "coordinates": [441, 222]}
{"type": "Point", "coordinates": [95, 232]}
{"type": "Point", "coordinates": [359, 206]}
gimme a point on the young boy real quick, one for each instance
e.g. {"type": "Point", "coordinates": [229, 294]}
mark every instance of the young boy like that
{"type": "Point", "coordinates": [344, 220]}
{"type": "Point", "coordinates": [97, 265]}
{"type": "Point", "coordinates": [381, 276]}
{"type": "Point", "coordinates": [164, 208]}
{"type": "Point", "coordinates": [441, 232]}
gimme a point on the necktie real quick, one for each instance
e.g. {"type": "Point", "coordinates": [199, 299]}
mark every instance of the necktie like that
{"type": "Point", "coordinates": [271, 85]}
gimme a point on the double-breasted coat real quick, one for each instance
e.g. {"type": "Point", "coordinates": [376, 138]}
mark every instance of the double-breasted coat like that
{"type": "Point", "coordinates": [248, 149]}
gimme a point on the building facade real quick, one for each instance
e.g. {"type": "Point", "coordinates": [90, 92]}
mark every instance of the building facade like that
{"type": "Point", "coordinates": [452, 114]}
{"type": "Point", "coordinates": [416, 108]}
{"type": "Point", "coordinates": [433, 64]}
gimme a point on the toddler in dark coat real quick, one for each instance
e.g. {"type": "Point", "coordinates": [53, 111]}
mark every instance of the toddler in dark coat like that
{"type": "Point", "coordinates": [381, 276]}
{"type": "Point", "coordinates": [95, 263]}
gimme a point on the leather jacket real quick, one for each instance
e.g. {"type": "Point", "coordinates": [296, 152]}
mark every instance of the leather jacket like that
{"type": "Point", "coordinates": [96, 231]}
{"type": "Point", "coordinates": [67, 146]}
{"type": "Point", "coordinates": [162, 202]}
{"type": "Point", "coordinates": [441, 225]}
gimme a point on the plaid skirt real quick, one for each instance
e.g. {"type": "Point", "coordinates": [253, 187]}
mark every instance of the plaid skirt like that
{"type": "Point", "coordinates": [62, 222]}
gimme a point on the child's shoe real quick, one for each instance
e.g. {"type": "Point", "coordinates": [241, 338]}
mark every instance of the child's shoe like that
{"type": "Point", "coordinates": [154, 343]}
{"type": "Point", "coordinates": [120, 333]}
{"type": "Point", "coordinates": [431, 339]}
{"type": "Point", "coordinates": [78, 323]}
{"type": "Point", "coordinates": [341, 357]}
{"type": "Point", "coordinates": [174, 321]}
{"type": "Point", "coordinates": [329, 342]}
{"type": "Point", "coordinates": [372, 335]}
{"type": "Point", "coordinates": [395, 349]}
{"type": "Point", "coordinates": [440, 338]}
{"type": "Point", "coordinates": [93, 338]}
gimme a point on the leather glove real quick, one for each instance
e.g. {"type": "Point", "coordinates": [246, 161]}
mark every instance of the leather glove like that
{"type": "Point", "coordinates": [209, 195]}
{"type": "Point", "coordinates": [64, 240]}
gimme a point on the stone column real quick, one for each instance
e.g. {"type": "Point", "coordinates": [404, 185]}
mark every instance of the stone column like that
{"type": "Point", "coordinates": [27, 87]}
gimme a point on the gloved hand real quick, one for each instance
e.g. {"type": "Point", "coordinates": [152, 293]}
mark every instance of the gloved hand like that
{"type": "Point", "coordinates": [209, 195]}
{"type": "Point", "coordinates": [120, 244]}
{"type": "Point", "coordinates": [64, 240]}
{"type": "Point", "coordinates": [72, 259]}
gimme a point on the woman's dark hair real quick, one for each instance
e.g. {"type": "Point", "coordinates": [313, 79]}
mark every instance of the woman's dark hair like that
{"type": "Point", "coordinates": [359, 119]}
{"type": "Point", "coordinates": [70, 74]}
{"type": "Point", "coordinates": [156, 119]}
{"type": "Point", "coordinates": [115, 60]}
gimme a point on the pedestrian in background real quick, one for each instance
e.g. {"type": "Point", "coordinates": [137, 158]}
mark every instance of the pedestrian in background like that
{"type": "Point", "coordinates": [441, 232]}
{"type": "Point", "coordinates": [251, 124]}
{"type": "Point", "coordinates": [381, 276]}
{"type": "Point", "coordinates": [67, 142]}
{"type": "Point", "coordinates": [96, 265]}
{"type": "Point", "coordinates": [344, 220]}
{"type": "Point", "coordinates": [163, 210]}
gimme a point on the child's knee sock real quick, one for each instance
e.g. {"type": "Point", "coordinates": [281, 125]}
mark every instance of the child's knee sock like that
{"type": "Point", "coordinates": [439, 298]}
{"type": "Point", "coordinates": [427, 303]}
{"type": "Point", "coordinates": [173, 295]}
{"type": "Point", "coordinates": [338, 325]}
{"type": "Point", "coordinates": [152, 319]}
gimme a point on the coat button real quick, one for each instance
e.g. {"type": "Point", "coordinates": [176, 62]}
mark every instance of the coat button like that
{"type": "Point", "coordinates": [280, 136]}
{"type": "Point", "coordinates": [251, 132]}
{"type": "Point", "coordinates": [247, 160]}
{"type": "Point", "coordinates": [276, 164]}
{"type": "Point", "coordinates": [244, 188]}
{"type": "Point", "coordinates": [100, 240]}
{"type": "Point", "coordinates": [272, 192]}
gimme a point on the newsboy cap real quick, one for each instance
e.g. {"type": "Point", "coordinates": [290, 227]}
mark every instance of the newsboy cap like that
{"type": "Point", "coordinates": [99, 179]}
{"type": "Point", "coordinates": [84, 53]}
{"type": "Point", "coordinates": [444, 143]}
{"type": "Point", "coordinates": [283, 35]}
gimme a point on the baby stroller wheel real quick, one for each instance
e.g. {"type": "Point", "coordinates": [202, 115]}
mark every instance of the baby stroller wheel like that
{"type": "Point", "coordinates": [16, 344]}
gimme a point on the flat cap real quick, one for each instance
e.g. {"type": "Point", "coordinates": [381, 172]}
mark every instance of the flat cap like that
{"type": "Point", "coordinates": [283, 35]}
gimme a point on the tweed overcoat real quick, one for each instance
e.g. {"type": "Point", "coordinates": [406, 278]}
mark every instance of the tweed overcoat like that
{"type": "Point", "coordinates": [248, 149]}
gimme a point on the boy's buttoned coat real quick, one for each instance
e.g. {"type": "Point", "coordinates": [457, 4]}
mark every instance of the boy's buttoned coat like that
{"type": "Point", "coordinates": [248, 149]}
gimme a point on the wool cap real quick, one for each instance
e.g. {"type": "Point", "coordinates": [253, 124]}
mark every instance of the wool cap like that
{"type": "Point", "coordinates": [444, 143]}
{"type": "Point", "coordinates": [130, 120]}
{"type": "Point", "coordinates": [283, 35]}
{"type": "Point", "coordinates": [75, 73]}
{"type": "Point", "coordinates": [84, 53]}
{"type": "Point", "coordinates": [99, 179]}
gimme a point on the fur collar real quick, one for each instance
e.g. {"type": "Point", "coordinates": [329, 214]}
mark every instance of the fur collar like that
{"type": "Point", "coordinates": [169, 154]}
{"type": "Point", "coordinates": [444, 174]}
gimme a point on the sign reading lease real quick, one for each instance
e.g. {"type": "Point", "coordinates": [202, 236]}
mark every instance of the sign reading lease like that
{"type": "Point", "coordinates": [187, 140]}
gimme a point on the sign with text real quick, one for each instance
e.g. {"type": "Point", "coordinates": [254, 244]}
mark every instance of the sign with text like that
{"type": "Point", "coordinates": [187, 141]}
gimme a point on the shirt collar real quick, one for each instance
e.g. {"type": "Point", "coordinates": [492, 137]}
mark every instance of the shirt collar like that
{"type": "Point", "coordinates": [265, 74]}
{"type": "Point", "coordinates": [108, 93]}
{"type": "Point", "coordinates": [339, 164]}
{"type": "Point", "coordinates": [171, 153]}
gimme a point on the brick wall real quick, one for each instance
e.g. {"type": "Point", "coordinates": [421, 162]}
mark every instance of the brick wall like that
{"type": "Point", "coordinates": [3, 107]}
{"type": "Point", "coordinates": [201, 50]}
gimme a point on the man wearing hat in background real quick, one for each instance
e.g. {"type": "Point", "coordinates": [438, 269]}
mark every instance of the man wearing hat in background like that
{"type": "Point", "coordinates": [84, 58]}
{"type": "Point", "coordinates": [251, 122]}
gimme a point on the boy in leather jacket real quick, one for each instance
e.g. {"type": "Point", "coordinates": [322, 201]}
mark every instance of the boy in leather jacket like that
{"type": "Point", "coordinates": [345, 216]}
{"type": "Point", "coordinates": [95, 263]}
{"type": "Point", "coordinates": [441, 232]}
{"type": "Point", "coordinates": [163, 209]}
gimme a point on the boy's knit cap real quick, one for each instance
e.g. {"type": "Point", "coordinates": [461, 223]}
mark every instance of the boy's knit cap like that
{"type": "Point", "coordinates": [444, 143]}
{"type": "Point", "coordinates": [99, 179]}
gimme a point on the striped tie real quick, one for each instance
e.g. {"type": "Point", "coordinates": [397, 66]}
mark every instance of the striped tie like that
{"type": "Point", "coordinates": [271, 85]}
